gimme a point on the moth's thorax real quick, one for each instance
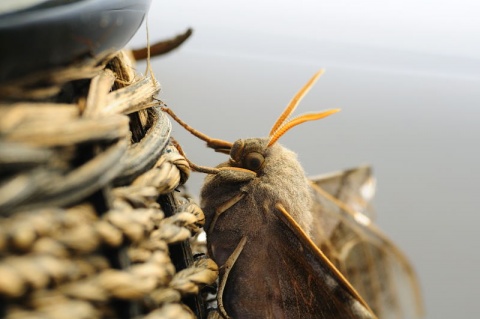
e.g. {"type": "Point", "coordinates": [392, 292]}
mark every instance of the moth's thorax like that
{"type": "Point", "coordinates": [284, 176]}
{"type": "Point", "coordinates": [281, 179]}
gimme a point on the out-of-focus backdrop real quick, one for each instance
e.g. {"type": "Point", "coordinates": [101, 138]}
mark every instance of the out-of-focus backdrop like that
{"type": "Point", "coordinates": [407, 77]}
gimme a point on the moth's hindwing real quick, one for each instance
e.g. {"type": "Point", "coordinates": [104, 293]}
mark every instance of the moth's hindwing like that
{"type": "Point", "coordinates": [344, 231]}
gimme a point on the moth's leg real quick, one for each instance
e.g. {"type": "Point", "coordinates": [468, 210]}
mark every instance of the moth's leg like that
{"type": "Point", "coordinates": [194, 167]}
{"type": "Point", "coordinates": [218, 145]}
{"type": "Point", "coordinates": [232, 173]}
{"type": "Point", "coordinates": [224, 207]}
{"type": "Point", "coordinates": [228, 266]}
{"type": "Point", "coordinates": [162, 47]}
{"type": "Point", "coordinates": [214, 314]}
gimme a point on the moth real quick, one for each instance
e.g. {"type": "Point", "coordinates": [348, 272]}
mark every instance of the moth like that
{"type": "Point", "coordinates": [291, 247]}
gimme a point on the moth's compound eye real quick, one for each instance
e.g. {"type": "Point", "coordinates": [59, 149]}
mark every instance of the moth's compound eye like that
{"type": "Point", "coordinates": [253, 161]}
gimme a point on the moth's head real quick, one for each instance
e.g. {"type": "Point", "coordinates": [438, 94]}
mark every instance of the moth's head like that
{"type": "Point", "coordinates": [251, 153]}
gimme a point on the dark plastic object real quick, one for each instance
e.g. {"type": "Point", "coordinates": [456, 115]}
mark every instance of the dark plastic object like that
{"type": "Point", "coordinates": [55, 33]}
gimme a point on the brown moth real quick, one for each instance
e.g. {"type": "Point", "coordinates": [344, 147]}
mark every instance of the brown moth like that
{"type": "Point", "coordinates": [263, 235]}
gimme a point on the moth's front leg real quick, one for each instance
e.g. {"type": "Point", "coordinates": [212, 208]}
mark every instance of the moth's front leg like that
{"type": "Point", "coordinates": [230, 175]}
{"type": "Point", "coordinates": [223, 208]}
{"type": "Point", "coordinates": [227, 267]}
{"type": "Point", "coordinates": [236, 174]}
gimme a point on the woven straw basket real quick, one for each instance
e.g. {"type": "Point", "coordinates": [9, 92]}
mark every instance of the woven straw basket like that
{"type": "Point", "coordinates": [90, 224]}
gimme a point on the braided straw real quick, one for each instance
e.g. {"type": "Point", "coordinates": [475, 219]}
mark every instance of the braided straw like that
{"type": "Point", "coordinates": [85, 183]}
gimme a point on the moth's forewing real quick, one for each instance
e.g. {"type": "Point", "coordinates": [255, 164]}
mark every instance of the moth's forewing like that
{"type": "Point", "coordinates": [284, 275]}
{"type": "Point", "coordinates": [336, 290]}
{"type": "Point", "coordinates": [375, 267]}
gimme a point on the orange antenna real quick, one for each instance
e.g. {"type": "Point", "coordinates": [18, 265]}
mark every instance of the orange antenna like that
{"type": "Point", "coordinates": [295, 101]}
{"type": "Point", "coordinates": [299, 120]}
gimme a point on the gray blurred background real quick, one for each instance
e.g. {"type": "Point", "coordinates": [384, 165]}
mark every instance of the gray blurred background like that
{"type": "Point", "coordinates": [406, 75]}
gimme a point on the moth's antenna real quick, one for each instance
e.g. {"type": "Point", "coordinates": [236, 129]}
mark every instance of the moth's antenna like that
{"type": "Point", "coordinates": [295, 101]}
{"type": "Point", "coordinates": [281, 126]}
{"type": "Point", "coordinates": [299, 120]}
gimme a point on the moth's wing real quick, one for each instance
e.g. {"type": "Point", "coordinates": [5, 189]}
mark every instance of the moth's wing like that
{"type": "Point", "coordinates": [354, 187]}
{"type": "Point", "coordinates": [377, 269]}
{"type": "Point", "coordinates": [316, 285]}
{"type": "Point", "coordinates": [280, 273]}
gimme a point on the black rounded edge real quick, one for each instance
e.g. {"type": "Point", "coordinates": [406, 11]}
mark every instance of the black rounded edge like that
{"type": "Point", "coordinates": [58, 32]}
